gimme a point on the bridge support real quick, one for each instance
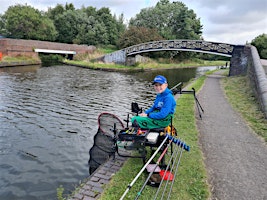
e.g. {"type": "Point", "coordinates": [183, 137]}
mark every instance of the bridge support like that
{"type": "Point", "coordinates": [239, 60]}
{"type": "Point", "coordinates": [118, 57]}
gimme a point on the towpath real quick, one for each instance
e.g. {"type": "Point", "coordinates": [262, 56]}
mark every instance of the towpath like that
{"type": "Point", "coordinates": [235, 158]}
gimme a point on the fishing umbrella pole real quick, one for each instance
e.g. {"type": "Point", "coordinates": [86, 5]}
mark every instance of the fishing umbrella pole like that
{"type": "Point", "coordinates": [144, 167]}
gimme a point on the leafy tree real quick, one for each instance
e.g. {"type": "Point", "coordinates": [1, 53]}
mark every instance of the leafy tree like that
{"type": "Point", "coordinates": [25, 22]}
{"type": "Point", "coordinates": [136, 35]}
{"type": "Point", "coordinates": [53, 12]}
{"type": "Point", "coordinates": [3, 30]}
{"type": "Point", "coordinates": [67, 25]}
{"type": "Point", "coordinates": [69, 6]}
{"type": "Point", "coordinates": [172, 20]}
{"type": "Point", "coordinates": [111, 25]}
{"type": "Point", "coordinates": [260, 42]}
{"type": "Point", "coordinates": [90, 11]}
{"type": "Point", "coordinates": [86, 25]}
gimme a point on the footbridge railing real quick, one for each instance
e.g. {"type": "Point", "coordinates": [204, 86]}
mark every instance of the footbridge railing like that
{"type": "Point", "coordinates": [170, 45]}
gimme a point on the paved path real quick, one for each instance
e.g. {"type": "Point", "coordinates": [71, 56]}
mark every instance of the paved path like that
{"type": "Point", "coordinates": [236, 159]}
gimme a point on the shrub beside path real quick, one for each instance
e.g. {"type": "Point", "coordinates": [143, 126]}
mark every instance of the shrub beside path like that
{"type": "Point", "coordinates": [235, 157]}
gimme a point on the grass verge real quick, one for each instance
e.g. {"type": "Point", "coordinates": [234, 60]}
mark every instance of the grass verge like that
{"type": "Point", "coordinates": [9, 59]}
{"type": "Point", "coordinates": [243, 100]}
{"type": "Point", "coordinates": [142, 66]}
{"type": "Point", "coordinates": [191, 180]}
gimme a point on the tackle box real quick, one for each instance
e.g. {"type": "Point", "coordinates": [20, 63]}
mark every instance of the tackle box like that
{"type": "Point", "coordinates": [135, 135]}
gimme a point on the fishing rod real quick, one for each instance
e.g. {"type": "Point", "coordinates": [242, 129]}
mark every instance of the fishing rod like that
{"type": "Point", "coordinates": [165, 172]}
{"type": "Point", "coordinates": [168, 178]}
{"type": "Point", "coordinates": [176, 169]}
{"type": "Point", "coordinates": [150, 174]}
{"type": "Point", "coordinates": [144, 167]}
{"type": "Point", "coordinates": [176, 141]}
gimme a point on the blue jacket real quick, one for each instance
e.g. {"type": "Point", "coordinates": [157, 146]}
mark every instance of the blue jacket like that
{"type": "Point", "coordinates": [164, 105]}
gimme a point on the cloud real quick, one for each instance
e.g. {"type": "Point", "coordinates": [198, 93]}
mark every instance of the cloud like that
{"type": "Point", "coordinates": [236, 22]}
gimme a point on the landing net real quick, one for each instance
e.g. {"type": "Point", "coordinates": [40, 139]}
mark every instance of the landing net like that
{"type": "Point", "coordinates": [103, 146]}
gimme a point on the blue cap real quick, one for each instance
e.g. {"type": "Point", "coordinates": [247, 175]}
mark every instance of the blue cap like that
{"type": "Point", "coordinates": [159, 79]}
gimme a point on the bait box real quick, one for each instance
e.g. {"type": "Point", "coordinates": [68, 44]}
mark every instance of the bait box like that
{"type": "Point", "coordinates": [152, 137]}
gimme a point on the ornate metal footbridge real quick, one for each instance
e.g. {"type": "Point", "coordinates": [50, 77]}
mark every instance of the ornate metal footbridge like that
{"type": "Point", "coordinates": [170, 45]}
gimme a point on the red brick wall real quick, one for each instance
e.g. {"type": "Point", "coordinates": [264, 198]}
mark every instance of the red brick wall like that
{"type": "Point", "coordinates": [14, 47]}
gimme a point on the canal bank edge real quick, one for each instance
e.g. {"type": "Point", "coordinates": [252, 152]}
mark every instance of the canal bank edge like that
{"type": "Point", "coordinates": [20, 63]}
{"type": "Point", "coordinates": [93, 186]}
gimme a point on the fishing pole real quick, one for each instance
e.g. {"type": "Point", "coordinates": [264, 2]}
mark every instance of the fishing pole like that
{"type": "Point", "coordinates": [178, 142]}
{"type": "Point", "coordinates": [176, 169]}
{"type": "Point", "coordinates": [144, 167]}
{"type": "Point", "coordinates": [165, 172]}
{"type": "Point", "coordinates": [168, 178]}
{"type": "Point", "coordinates": [150, 174]}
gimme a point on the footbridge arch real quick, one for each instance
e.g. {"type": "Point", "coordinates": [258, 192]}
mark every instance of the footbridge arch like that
{"type": "Point", "coordinates": [202, 46]}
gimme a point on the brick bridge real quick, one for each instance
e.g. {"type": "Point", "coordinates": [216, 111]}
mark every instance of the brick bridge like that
{"type": "Point", "coordinates": [31, 48]}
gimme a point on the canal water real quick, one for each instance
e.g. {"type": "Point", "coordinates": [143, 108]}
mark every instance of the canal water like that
{"type": "Point", "coordinates": [48, 118]}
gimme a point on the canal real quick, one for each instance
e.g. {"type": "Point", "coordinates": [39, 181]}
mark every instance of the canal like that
{"type": "Point", "coordinates": [48, 118]}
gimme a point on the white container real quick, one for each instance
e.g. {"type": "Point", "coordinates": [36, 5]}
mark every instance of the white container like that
{"type": "Point", "coordinates": [151, 167]}
{"type": "Point", "coordinates": [152, 137]}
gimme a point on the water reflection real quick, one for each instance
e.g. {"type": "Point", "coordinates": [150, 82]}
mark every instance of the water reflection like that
{"type": "Point", "coordinates": [48, 118]}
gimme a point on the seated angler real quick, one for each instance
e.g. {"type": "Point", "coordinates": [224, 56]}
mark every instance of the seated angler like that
{"type": "Point", "coordinates": [160, 114]}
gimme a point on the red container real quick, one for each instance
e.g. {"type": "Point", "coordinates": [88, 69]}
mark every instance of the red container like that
{"type": "Point", "coordinates": [168, 175]}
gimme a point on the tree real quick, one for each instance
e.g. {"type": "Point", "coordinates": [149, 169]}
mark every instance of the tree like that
{"type": "Point", "coordinates": [53, 12]}
{"type": "Point", "coordinates": [86, 25]}
{"type": "Point", "coordinates": [3, 30]}
{"type": "Point", "coordinates": [68, 24]}
{"type": "Point", "coordinates": [136, 35]}
{"type": "Point", "coordinates": [25, 22]}
{"type": "Point", "coordinates": [260, 42]}
{"type": "Point", "coordinates": [172, 20]}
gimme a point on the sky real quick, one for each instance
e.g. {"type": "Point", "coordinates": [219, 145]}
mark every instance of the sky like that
{"type": "Point", "coordinates": [227, 21]}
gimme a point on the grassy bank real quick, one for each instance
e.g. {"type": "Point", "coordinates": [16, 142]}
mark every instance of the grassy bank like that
{"type": "Point", "coordinates": [191, 179]}
{"type": "Point", "coordinates": [241, 97]}
{"type": "Point", "coordinates": [9, 59]}
{"type": "Point", "coordinates": [144, 66]}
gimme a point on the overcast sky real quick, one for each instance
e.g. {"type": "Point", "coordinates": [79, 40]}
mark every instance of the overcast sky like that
{"type": "Point", "coordinates": [229, 21]}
